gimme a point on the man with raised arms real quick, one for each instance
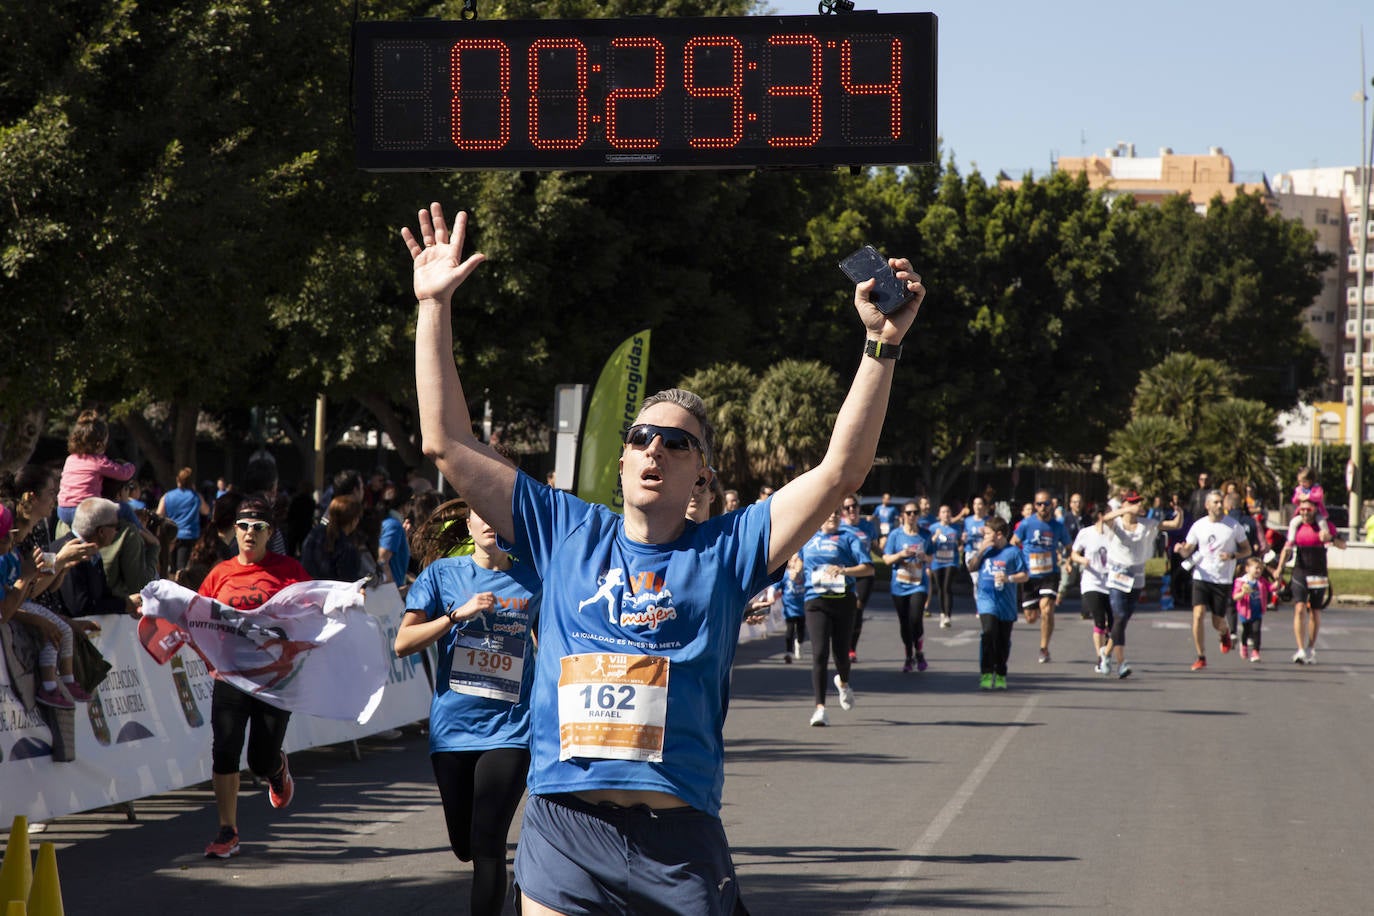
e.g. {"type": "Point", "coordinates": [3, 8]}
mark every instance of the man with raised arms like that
{"type": "Point", "coordinates": [627, 711]}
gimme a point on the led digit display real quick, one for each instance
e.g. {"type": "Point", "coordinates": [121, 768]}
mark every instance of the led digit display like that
{"type": "Point", "coordinates": [727, 92]}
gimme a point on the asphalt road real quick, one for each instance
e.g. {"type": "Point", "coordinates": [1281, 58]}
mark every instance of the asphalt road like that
{"type": "Point", "coordinates": [1240, 789]}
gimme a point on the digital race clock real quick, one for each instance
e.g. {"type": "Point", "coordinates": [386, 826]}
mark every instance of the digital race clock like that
{"type": "Point", "coordinates": [729, 92]}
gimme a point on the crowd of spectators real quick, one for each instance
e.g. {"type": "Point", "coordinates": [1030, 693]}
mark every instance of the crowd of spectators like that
{"type": "Point", "coordinates": [74, 551]}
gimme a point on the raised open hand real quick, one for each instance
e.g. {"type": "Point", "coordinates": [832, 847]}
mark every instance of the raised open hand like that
{"type": "Point", "coordinates": [439, 264]}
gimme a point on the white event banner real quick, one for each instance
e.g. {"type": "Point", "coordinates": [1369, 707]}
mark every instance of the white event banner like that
{"type": "Point", "coordinates": [147, 728]}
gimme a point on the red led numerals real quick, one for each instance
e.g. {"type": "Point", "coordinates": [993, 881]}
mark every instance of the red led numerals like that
{"type": "Point", "coordinates": [615, 96]}
{"type": "Point", "coordinates": [731, 92]}
{"type": "Point", "coordinates": [811, 90]}
{"type": "Point", "coordinates": [480, 98]}
{"type": "Point", "coordinates": [891, 89]}
{"type": "Point", "coordinates": [568, 136]}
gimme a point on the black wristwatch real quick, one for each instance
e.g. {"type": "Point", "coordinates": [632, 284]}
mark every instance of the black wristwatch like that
{"type": "Point", "coordinates": [879, 350]}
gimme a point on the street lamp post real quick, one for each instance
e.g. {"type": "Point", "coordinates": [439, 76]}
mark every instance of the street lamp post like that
{"type": "Point", "coordinates": [1357, 389]}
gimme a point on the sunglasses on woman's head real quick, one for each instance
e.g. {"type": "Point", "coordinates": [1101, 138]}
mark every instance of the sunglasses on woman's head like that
{"type": "Point", "coordinates": [252, 526]}
{"type": "Point", "coordinates": [674, 439]}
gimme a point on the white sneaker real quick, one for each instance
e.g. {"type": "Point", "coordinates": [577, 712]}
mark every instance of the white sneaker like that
{"type": "Point", "coordinates": [1124, 670]}
{"type": "Point", "coordinates": [1311, 656]}
{"type": "Point", "coordinates": [946, 623]}
{"type": "Point", "coordinates": [846, 693]}
{"type": "Point", "coordinates": [796, 651]}
{"type": "Point", "coordinates": [1103, 666]}
{"type": "Point", "coordinates": [1300, 657]}
{"type": "Point", "coordinates": [819, 718]}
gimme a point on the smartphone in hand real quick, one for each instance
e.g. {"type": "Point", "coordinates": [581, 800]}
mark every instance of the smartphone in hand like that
{"type": "Point", "coordinates": [889, 293]}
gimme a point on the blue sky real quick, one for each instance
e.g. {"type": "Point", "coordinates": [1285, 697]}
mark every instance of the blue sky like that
{"type": "Point", "coordinates": [1270, 82]}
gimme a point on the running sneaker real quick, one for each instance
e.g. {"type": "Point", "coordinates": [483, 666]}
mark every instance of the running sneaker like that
{"type": "Point", "coordinates": [921, 662]}
{"type": "Point", "coordinates": [281, 787]}
{"type": "Point", "coordinates": [1199, 664]}
{"type": "Point", "coordinates": [846, 693]}
{"type": "Point", "coordinates": [1311, 656]}
{"type": "Point", "coordinates": [1225, 642]}
{"type": "Point", "coordinates": [819, 718]}
{"type": "Point", "coordinates": [1244, 651]}
{"type": "Point", "coordinates": [226, 844]}
{"type": "Point", "coordinates": [796, 649]}
{"type": "Point", "coordinates": [999, 682]}
{"type": "Point", "coordinates": [985, 682]}
{"type": "Point", "coordinates": [1300, 657]}
{"type": "Point", "coordinates": [54, 697]}
{"type": "Point", "coordinates": [75, 692]}
{"type": "Point", "coordinates": [1044, 656]}
{"type": "Point", "coordinates": [946, 623]}
{"type": "Point", "coordinates": [907, 666]}
{"type": "Point", "coordinates": [1125, 670]}
{"type": "Point", "coordinates": [787, 658]}
{"type": "Point", "coordinates": [1103, 666]}
{"type": "Point", "coordinates": [1254, 655]}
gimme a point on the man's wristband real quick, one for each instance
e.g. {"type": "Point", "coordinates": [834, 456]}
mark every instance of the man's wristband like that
{"type": "Point", "coordinates": [879, 350]}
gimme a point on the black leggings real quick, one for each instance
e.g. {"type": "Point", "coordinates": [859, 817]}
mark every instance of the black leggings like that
{"type": "Point", "coordinates": [996, 644]}
{"type": "Point", "coordinates": [230, 712]}
{"type": "Point", "coordinates": [1250, 632]}
{"type": "Point", "coordinates": [480, 791]}
{"type": "Point", "coordinates": [862, 589]}
{"type": "Point", "coordinates": [796, 632]}
{"type": "Point", "coordinates": [911, 622]}
{"type": "Point", "coordinates": [829, 621]}
{"type": "Point", "coordinates": [944, 581]}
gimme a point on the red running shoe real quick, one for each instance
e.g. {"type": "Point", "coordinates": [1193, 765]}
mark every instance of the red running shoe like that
{"type": "Point", "coordinates": [282, 787]}
{"type": "Point", "coordinates": [1225, 642]}
{"type": "Point", "coordinates": [1199, 664]}
{"type": "Point", "coordinates": [224, 845]}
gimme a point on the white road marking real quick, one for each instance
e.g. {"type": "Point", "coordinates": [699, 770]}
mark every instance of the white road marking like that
{"type": "Point", "coordinates": [897, 885]}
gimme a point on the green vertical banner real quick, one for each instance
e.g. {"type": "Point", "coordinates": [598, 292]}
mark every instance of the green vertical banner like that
{"type": "Point", "coordinates": [614, 404]}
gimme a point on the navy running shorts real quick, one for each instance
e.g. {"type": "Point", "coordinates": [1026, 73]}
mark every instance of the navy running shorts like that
{"type": "Point", "coordinates": [577, 857]}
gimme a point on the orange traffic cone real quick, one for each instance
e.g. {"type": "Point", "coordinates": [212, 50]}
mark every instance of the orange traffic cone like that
{"type": "Point", "coordinates": [45, 899]}
{"type": "Point", "coordinates": [16, 874]}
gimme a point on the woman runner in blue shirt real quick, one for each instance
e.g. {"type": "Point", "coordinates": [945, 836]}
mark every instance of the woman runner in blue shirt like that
{"type": "Point", "coordinates": [479, 609]}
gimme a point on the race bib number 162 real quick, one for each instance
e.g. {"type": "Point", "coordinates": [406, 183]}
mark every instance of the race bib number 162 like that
{"type": "Point", "coordinates": [612, 706]}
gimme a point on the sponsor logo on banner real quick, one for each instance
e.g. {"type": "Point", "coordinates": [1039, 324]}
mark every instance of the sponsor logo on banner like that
{"type": "Point", "coordinates": [122, 702]}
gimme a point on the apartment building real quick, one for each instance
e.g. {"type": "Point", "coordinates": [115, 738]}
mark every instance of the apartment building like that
{"type": "Point", "coordinates": [1150, 179]}
{"type": "Point", "coordinates": [1328, 202]}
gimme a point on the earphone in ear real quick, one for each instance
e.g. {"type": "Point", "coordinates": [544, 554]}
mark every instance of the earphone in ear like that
{"type": "Point", "coordinates": [701, 481]}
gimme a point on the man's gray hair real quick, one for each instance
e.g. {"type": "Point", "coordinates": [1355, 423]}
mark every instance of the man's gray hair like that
{"type": "Point", "coordinates": [695, 406]}
{"type": "Point", "coordinates": [94, 513]}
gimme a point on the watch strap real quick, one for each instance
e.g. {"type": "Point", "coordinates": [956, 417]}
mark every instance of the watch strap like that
{"type": "Point", "coordinates": [879, 350]}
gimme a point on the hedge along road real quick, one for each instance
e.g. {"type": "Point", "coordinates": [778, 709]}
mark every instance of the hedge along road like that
{"type": "Point", "coordinates": [1239, 789]}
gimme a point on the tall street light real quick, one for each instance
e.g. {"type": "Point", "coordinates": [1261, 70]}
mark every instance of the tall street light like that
{"type": "Point", "coordinates": [1355, 466]}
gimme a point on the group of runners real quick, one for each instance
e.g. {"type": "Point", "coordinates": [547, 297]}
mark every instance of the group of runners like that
{"type": "Point", "coordinates": [612, 718]}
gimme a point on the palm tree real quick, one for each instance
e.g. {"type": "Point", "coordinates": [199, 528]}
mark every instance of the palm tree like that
{"type": "Point", "coordinates": [1151, 454]}
{"type": "Point", "coordinates": [726, 389]}
{"type": "Point", "coordinates": [1237, 438]}
{"type": "Point", "coordinates": [791, 415]}
{"type": "Point", "coordinates": [1181, 386]}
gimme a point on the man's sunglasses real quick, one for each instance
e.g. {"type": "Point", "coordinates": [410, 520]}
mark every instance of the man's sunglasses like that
{"type": "Point", "coordinates": [674, 439]}
{"type": "Point", "coordinates": [252, 526]}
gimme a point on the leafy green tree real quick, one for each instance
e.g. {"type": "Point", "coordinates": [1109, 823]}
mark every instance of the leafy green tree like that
{"type": "Point", "coordinates": [1232, 284]}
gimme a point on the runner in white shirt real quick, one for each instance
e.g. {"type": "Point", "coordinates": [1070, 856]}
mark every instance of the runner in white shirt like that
{"type": "Point", "coordinates": [1218, 542]}
{"type": "Point", "coordinates": [1090, 553]}
{"type": "Point", "coordinates": [1133, 539]}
